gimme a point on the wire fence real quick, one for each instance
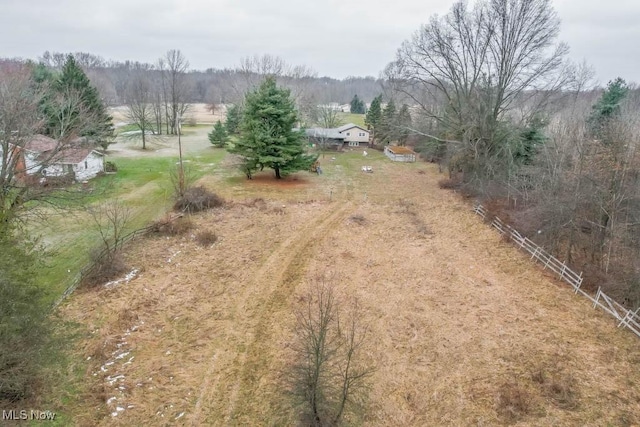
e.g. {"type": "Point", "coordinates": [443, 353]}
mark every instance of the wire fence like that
{"type": "Point", "coordinates": [625, 317]}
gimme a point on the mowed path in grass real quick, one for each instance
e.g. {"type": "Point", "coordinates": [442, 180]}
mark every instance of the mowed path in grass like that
{"type": "Point", "coordinates": [464, 329]}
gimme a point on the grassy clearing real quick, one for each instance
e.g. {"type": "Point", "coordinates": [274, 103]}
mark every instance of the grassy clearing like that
{"type": "Point", "coordinates": [356, 119]}
{"type": "Point", "coordinates": [143, 184]}
{"type": "Point", "coordinates": [465, 329]}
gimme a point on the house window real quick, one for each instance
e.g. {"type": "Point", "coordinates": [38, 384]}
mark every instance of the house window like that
{"type": "Point", "coordinates": [348, 134]}
{"type": "Point", "coordinates": [361, 134]}
{"type": "Point", "coordinates": [354, 144]}
{"type": "Point", "coordinates": [85, 165]}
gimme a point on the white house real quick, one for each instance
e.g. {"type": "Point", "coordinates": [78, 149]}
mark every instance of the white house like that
{"type": "Point", "coordinates": [47, 157]}
{"type": "Point", "coordinates": [400, 154]}
{"type": "Point", "coordinates": [354, 134]}
{"type": "Point", "coordinates": [348, 135]}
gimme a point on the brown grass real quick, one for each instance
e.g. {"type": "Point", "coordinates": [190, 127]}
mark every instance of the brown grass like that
{"type": "Point", "coordinates": [465, 330]}
{"type": "Point", "coordinates": [206, 238]}
{"type": "Point", "coordinates": [514, 401]}
{"type": "Point", "coordinates": [172, 226]}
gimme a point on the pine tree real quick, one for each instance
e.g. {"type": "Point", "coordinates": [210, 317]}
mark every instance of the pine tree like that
{"type": "Point", "coordinates": [72, 79]}
{"type": "Point", "coordinates": [374, 114]}
{"type": "Point", "coordinates": [72, 106]}
{"type": "Point", "coordinates": [403, 124]}
{"type": "Point", "coordinates": [218, 136]}
{"type": "Point", "coordinates": [267, 138]}
{"type": "Point", "coordinates": [607, 107]}
{"type": "Point", "coordinates": [388, 125]}
{"type": "Point", "coordinates": [357, 106]}
{"type": "Point", "coordinates": [234, 118]}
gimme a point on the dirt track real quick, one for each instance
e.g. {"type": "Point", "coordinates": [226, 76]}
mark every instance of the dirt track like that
{"type": "Point", "coordinates": [458, 318]}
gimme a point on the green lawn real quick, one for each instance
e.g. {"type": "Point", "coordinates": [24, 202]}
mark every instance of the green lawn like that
{"type": "Point", "coordinates": [356, 119]}
{"type": "Point", "coordinates": [142, 184]}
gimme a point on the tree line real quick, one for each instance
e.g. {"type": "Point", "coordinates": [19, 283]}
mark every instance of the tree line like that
{"type": "Point", "coordinates": [496, 102]}
{"type": "Point", "coordinates": [218, 86]}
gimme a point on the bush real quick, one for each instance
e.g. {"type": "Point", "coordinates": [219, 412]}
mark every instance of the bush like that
{"type": "Point", "coordinates": [197, 199]}
{"type": "Point", "coordinates": [110, 167]}
{"type": "Point", "coordinates": [172, 226]}
{"type": "Point", "coordinates": [26, 330]}
{"type": "Point", "coordinates": [449, 184]}
{"type": "Point", "coordinates": [206, 238]}
{"type": "Point", "coordinates": [105, 267]}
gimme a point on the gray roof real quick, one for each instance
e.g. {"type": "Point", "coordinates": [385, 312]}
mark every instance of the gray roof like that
{"type": "Point", "coordinates": [350, 126]}
{"type": "Point", "coordinates": [323, 133]}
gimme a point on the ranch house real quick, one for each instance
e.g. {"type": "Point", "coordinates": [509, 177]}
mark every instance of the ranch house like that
{"type": "Point", "coordinates": [47, 157]}
{"type": "Point", "coordinates": [349, 135]}
{"type": "Point", "coordinates": [400, 154]}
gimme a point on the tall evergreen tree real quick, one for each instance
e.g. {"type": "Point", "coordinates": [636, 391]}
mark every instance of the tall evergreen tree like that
{"type": "Point", "coordinates": [357, 106]}
{"type": "Point", "coordinates": [218, 136]}
{"type": "Point", "coordinates": [267, 138]}
{"type": "Point", "coordinates": [234, 118]}
{"type": "Point", "coordinates": [607, 107]}
{"type": "Point", "coordinates": [403, 121]}
{"type": "Point", "coordinates": [74, 105]}
{"type": "Point", "coordinates": [374, 114]}
{"type": "Point", "coordinates": [388, 126]}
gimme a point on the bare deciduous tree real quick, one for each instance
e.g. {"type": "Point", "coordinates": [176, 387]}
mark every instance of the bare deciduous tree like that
{"type": "Point", "coordinates": [328, 376]}
{"type": "Point", "coordinates": [140, 104]}
{"type": "Point", "coordinates": [467, 68]}
{"type": "Point", "coordinates": [173, 67]}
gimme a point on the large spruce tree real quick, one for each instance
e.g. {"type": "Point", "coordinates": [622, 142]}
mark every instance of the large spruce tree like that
{"type": "Point", "coordinates": [374, 115]}
{"type": "Point", "coordinates": [74, 105]}
{"type": "Point", "coordinates": [357, 106]}
{"type": "Point", "coordinates": [267, 135]}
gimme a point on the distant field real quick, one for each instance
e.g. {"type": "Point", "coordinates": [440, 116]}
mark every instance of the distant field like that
{"type": "Point", "coordinates": [356, 119]}
{"type": "Point", "coordinates": [198, 112]}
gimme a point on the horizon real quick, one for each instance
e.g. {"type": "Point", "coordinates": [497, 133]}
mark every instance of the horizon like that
{"type": "Point", "coordinates": [336, 40]}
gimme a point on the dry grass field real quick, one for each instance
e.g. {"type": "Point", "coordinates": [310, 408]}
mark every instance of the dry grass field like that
{"type": "Point", "coordinates": [463, 328]}
{"type": "Point", "coordinates": [199, 113]}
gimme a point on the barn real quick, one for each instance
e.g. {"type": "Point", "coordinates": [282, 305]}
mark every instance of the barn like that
{"type": "Point", "coordinates": [400, 154]}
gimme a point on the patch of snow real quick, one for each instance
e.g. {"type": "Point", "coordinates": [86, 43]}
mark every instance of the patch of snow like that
{"type": "Point", "coordinates": [173, 256]}
{"type": "Point", "coordinates": [121, 356]}
{"type": "Point", "coordinates": [126, 279]}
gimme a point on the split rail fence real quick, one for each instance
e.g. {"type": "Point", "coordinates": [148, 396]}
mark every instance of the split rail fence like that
{"type": "Point", "coordinates": [89, 268]}
{"type": "Point", "coordinates": [625, 317]}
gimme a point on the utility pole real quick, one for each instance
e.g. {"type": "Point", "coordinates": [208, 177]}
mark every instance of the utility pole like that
{"type": "Point", "coordinates": [181, 188]}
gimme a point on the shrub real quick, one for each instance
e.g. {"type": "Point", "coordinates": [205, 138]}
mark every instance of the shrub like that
{"type": "Point", "coordinates": [171, 226]}
{"type": "Point", "coordinates": [197, 199]}
{"type": "Point", "coordinates": [110, 167]}
{"type": "Point", "coordinates": [206, 237]}
{"type": "Point", "coordinates": [26, 330]}
{"type": "Point", "coordinates": [449, 184]}
{"type": "Point", "coordinates": [104, 268]}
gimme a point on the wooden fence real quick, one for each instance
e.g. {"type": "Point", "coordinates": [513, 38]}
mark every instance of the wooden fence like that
{"type": "Point", "coordinates": [625, 317]}
{"type": "Point", "coordinates": [87, 269]}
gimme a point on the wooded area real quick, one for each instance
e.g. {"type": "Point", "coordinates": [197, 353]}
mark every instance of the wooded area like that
{"type": "Point", "coordinates": [526, 131]}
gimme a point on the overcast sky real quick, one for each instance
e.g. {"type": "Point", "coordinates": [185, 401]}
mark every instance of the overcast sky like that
{"type": "Point", "coordinates": [337, 38]}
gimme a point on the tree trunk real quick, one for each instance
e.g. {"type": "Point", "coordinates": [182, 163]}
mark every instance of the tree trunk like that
{"type": "Point", "coordinates": [277, 173]}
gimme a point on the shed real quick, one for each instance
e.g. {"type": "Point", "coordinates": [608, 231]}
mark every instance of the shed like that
{"type": "Point", "coordinates": [400, 154]}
